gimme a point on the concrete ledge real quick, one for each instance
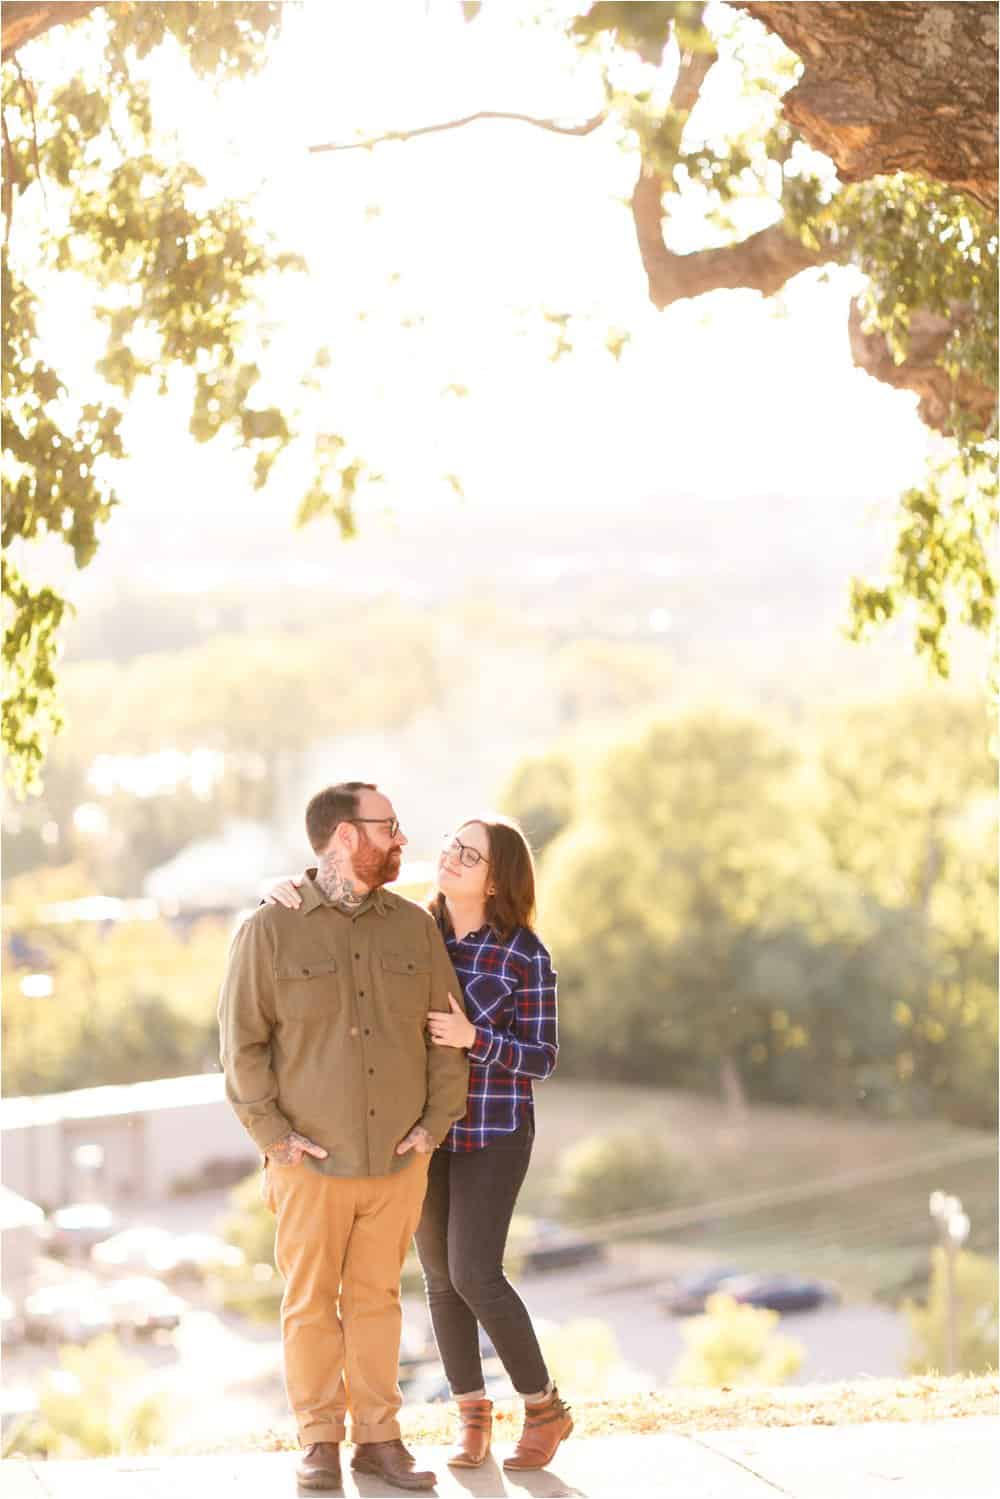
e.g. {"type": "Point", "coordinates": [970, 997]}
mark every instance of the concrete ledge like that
{"type": "Point", "coordinates": [885, 1460]}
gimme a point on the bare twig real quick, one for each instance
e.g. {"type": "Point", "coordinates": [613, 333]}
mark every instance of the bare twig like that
{"type": "Point", "coordinates": [30, 94]}
{"type": "Point", "coordinates": [690, 76]}
{"type": "Point", "coordinates": [585, 127]}
{"type": "Point", "coordinates": [7, 195]}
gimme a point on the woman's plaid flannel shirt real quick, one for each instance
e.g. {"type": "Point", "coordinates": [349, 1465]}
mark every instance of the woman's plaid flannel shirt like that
{"type": "Point", "coordinates": [510, 997]}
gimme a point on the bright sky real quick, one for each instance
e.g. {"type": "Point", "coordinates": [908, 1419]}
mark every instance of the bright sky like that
{"type": "Point", "coordinates": [475, 231]}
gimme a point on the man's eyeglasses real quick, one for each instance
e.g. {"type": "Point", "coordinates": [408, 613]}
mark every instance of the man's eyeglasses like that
{"type": "Point", "coordinates": [470, 857]}
{"type": "Point", "coordinates": [392, 821]}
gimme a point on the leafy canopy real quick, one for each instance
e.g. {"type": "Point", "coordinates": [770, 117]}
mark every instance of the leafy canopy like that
{"type": "Point", "coordinates": [94, 190]}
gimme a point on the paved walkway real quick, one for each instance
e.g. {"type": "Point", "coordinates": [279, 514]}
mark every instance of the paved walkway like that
{"type": "Point", "coordinates": [943, 1460]}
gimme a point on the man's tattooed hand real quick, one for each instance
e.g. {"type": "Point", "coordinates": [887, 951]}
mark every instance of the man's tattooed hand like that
{"type": "Point", "coordinates": [418, 1139]}
{"type": "Point", "coordinates": [290, 1150]}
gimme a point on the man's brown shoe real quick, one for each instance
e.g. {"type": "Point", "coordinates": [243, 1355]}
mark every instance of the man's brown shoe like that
{"type": "Point", "coordinates": [391, 1461]}
{"type": "Point", "coordinates": [476, 1417]}
{"type": "Point", "coordinates": [545, 1426]}
{"type": "Point", "coordinates": [320, 1466]}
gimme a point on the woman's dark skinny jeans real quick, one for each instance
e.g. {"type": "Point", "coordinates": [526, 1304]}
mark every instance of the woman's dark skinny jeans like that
{"type": "Point", "coordinates": [460, 1240]}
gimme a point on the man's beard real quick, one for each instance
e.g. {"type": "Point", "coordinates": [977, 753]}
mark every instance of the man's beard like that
{"type": "Point", "coordinates": [374, 866]}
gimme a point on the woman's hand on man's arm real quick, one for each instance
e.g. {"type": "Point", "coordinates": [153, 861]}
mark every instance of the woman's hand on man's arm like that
{"type": "Point", "coordinates": [285, 893]}
{"type": "Point", "coordinates": [453, 1028]}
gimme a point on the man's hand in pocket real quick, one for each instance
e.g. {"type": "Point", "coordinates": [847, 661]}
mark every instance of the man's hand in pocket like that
{"type": "Point", "coordinates": [290, 1150]}
{"type": "Point", "coordinates": [418, 1139]}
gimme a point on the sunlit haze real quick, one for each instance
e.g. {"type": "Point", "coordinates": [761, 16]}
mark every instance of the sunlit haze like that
{"type": "Point", "coordinates": [431, 266]}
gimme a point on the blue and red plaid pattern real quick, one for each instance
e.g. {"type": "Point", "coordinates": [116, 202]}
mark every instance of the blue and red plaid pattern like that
{"type": "Point", "coordinates": [510, 997]}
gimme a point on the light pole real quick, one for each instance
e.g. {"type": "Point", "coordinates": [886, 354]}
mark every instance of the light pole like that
{"type": "Point", "coordinates": [953, 1230]}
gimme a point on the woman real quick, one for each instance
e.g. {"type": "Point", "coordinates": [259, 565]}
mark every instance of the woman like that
{"type": "Point", "coordinates": [484, 906]}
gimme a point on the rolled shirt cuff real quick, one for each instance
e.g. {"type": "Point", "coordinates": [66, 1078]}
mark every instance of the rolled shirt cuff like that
{"type": "Point", "coordinates": [481, 1048]}
{"type": "Point", "coordinates": [437, 1124]}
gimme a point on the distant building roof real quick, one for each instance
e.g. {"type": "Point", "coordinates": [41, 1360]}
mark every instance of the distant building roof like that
{"type": "Point", "coordinates": [222, 873]}
{"type": "Point", "coordinates": [99, 908]}
{"type": "Point", "coordinates": [106, 1102]}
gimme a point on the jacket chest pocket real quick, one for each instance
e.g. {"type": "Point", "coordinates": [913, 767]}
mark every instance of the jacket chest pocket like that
{"type": "Point", "coordinates": [307, 990]}
{"type": "Point", "coordinates": [406, 981]}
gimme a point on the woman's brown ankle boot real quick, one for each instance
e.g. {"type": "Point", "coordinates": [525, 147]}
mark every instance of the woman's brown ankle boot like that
{"type": "Point", "coordinates": [474, 1440]}
{"type": "Point", "coordinates": [545, 1426]}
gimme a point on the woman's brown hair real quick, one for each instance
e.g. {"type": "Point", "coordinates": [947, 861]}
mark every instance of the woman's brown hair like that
{"type": "Point", "coordinates": [512, 873]}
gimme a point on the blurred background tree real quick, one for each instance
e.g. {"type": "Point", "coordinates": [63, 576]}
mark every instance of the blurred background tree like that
{"type": "Point", "coordinates": [583, 1355]}
{"type": "Point", "coordinates": [123, 1001]}
{"type": "Point", "coordinates": [976, 1302]}
{"type": "Point", "coordinates": [605, 1176]}
{"type": "Point", "coordinates": [94, 188]}
{"type": "Point", "coordinates": [732, 1344]}
{"type": "Point", "coordinates": [718, 904]}
{"type": "Point", "coordinates": [88, 1408]}
{"type": "Point", "coordinates": [541, 794]}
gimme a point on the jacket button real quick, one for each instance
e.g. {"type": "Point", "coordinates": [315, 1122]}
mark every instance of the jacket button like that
{"type": "Point", "coordinates": [357, 955]}
{"type": "Point", "coordinates": [305, 972]}
{"type": "Point", "coordinates": [372, 1113]}
{"type": "Point", "coordinates": [361, 994]}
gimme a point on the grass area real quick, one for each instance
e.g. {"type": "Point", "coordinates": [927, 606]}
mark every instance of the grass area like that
{"type": "Point", "coordinates": [852, 1403]}
{"type": "Point", "coordinates": [873, 1239]}
{"type": "Point", "coordinates": [767, 1145]}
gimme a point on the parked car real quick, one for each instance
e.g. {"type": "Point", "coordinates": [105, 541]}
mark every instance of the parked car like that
{"type": "Point", "coordinates": [67, 1313]}
{"type": "Point", "coordinates": [686, 1296]}
{"type": "Point", "coordinates": [781, 1293]}
{"type": "Point", "coordinates": [557, 1248]}
{"type": "Point", "coordinates": [193, 1256]}
{"type": "Point", "coordinates": [74, 1230]}
{"type": "Point", "coordinates": [157, 1252]}
{"type": "Point", "coordinates": [132, 1249]}
{"type": "Point", "coordinates": [140, 1304]}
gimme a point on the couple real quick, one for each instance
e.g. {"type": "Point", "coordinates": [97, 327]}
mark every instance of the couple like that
{"type": "Point", "coordinates": [384, 1108]}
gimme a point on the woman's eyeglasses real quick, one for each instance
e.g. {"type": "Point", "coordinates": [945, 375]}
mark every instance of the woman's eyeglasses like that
{"type": "Point", "coordinates": [470, 857]}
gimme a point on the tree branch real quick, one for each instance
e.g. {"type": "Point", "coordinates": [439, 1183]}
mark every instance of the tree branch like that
{"type": "Point", "coordinates": [23, 20]}
{"type": "Point", "coordinates": [691, 75]}
{"type": "Point", "coordinates": [30, 96]}
{"type": "Point", "coordinates": [938, 393]}
{"type": "Point", "coordinates": [585, 127]}
{"type": "Point", "coordinates": [763, 263]}
{"type": "Point", "coordinates": [7, 188]}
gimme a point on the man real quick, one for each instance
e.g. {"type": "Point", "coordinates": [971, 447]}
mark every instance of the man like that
{"type": "Point", "coordinates": [328, 1065]}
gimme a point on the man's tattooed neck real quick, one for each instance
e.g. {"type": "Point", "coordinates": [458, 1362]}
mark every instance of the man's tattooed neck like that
{"type": "Point", "coordinates": [339, 888]}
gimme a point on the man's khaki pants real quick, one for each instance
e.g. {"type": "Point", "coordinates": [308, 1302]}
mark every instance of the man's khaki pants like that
{"type": "Point", "coordinates": [340, 1246]}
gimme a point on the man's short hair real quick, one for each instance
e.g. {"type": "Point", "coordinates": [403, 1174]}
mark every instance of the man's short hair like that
{"type": "Point", "coordinates": [331, 806]}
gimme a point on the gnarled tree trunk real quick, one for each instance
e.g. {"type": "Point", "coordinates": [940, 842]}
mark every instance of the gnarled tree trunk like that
{"type": "Point", "coordinates": [895, 87]}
